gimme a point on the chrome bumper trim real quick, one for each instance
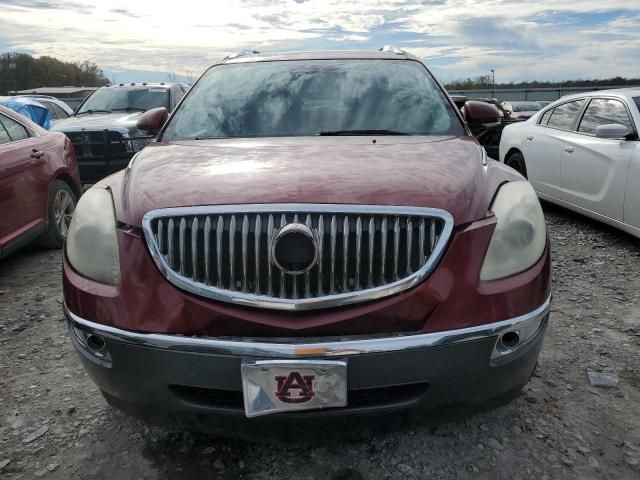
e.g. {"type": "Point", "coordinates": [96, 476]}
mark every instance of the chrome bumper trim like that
{"type": "Point", "coordinates": [528, 326]}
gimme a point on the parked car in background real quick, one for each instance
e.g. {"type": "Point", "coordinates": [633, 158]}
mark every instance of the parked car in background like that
{"type": "Point", "coordinates": [39, 184]}
{"type": "Point", "coordinates": [56, 107]}
{"type": "Point", "coordinates": [488, 136]}
{"type": "Point", "coordinates": [103, 128]}
{"type": "Point", "coordinates": [522, 110]}
{"type": "Point", "coordinates": [582, 152]}
{"type": "Point", "coordinates": [348, 251]}
{"type": "Point", "coordinates": [28, 108]}
{"type": "Point", "coordinates": [543, 103]}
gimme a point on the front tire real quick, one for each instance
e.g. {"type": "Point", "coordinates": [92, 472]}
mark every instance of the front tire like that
{"type": "Point", "coordinates": [516, 161]}
{"type": "Point", "coordinates": [61, 205]}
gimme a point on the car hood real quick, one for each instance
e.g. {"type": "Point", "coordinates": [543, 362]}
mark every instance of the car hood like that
{"type": "Point", "coordinates": [120, 121]}
{"type": "Point", "coordinates": [438, 172]}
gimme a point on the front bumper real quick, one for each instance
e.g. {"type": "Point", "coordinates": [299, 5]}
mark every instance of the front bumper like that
{"type": "Point", "coordinates": [195, 381]}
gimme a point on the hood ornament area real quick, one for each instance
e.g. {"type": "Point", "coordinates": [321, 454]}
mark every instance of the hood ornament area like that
{"type": "Point", "coordinates": [294, 249]}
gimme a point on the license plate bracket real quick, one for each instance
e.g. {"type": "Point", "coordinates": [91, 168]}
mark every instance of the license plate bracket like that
{"type": "Point", "coordinates": [271, 386]}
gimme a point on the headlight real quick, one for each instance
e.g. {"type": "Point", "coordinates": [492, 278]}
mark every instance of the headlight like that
{"type": "Point", "coordinates": [520, 235]}
{"type": "Point", "coordinates": [92, 246]}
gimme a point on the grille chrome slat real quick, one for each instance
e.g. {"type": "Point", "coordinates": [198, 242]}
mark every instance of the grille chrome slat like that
{"type": "Point", "coordinates": [320, 252]}
{"type": "Point", "coordinates": [383, 262]}
{"type": "Point", "coordinates": [207, 251]}
{"type": "Point", "coordinates": [409, 244]}
{"type": "Point", "coordinates": [245, 253]}
{"type": "Point", "coordinates": [369, 252]}
{"type": "Point", "coordinates": [345, 253]}
{"type": "Point", "coordinates": [160, 236]}
{"type": "Point", "coordinates": [334, 235]}
{"type": "Point", "coordinates": [219, 232]}
{"type": "Point", "coordinates": [372, 239]}
{"type": "Point", "coordinates": [270, 230]}
{"type": "Point", "coordinates": [421, 236]}
{"type": "Point", "coordinates": [170, 252]}
{"type": "Point", "coordinates": [257, 232]}
{"type": "Point", "coordinates": [307, 276]}
{"type": "Point", "coordinates": [232, 253]}
{"type": "Point", "coordinates": [283, 222]}
{"type": "Point", "coordinates": [194, 249]}
{"type": "Point", "coordinates": [396, 247]}
{"type": "Point", "coordinates": [358, 251]}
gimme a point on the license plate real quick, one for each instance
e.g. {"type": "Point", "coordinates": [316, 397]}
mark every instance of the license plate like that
{"type": "Point", "coordinates": [271, 386]}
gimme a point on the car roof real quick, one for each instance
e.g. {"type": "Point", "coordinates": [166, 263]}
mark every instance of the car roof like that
{"type": "Point", "coordinates": [389, 53]}
{"type": "Point", "coordinates": [616, 92]}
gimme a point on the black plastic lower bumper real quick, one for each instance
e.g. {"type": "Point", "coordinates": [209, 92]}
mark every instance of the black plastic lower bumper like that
{"type": "Point", "coordinates": [203, 391]}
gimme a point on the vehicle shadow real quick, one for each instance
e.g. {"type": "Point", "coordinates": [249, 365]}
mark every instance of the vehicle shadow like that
{"type": "Point", "coordinates": [557, 215]}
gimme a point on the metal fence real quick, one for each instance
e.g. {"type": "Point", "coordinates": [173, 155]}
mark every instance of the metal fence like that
{"type": "Point", "coordinates": [514, 94]}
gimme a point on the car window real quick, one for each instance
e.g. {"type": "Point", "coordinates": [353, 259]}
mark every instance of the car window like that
{"type": "Point", "coordinates": [288, 98]}
{"type": "Point", "coordinates": [16, 131]}
{"type": "Point", "coordinates": [50, 107]}
{"type": "Point", "coordinates": [4, 135]}
{"type": "Point", "coordinates": [637, 100]}
{"type": "Point", "coordinates": [603, 111]}
{"type": "Point", "coordinates": [544, 119]}
{"type": "Point", "coordinates": [564, 115]}
{"type": "Point", "coordinates": [126, 99]}
{"type": "Point", "coordinates": [58, 111]}
{"type": "Point", "coordinates": [179, 93]}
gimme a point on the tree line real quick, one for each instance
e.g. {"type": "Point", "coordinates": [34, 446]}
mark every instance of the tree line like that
{"type": "Point", "coordinates": [485, 82]}
{"type": "Point", "coordinates": [21, 71]}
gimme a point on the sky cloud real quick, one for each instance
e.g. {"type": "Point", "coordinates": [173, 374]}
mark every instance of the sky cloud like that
{"type": "Point", "coordinates": [559, 39]}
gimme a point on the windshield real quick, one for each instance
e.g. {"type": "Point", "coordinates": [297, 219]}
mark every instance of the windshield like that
{"type": "Point", "coordinates": [118, 98]}
{"type": "Point", "coordinates": [289, 98]}
{"type": "Point", "coordinates": [526, 107]}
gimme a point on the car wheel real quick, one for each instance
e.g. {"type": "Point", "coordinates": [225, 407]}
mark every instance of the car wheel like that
{"type": "Point", "coordinates": [62, 204]}
{"type": "Point", "coordinates": [516, 161]}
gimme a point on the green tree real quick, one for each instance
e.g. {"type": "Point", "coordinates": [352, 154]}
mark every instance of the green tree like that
{"type": "Point", "coordinates": [20, 71]}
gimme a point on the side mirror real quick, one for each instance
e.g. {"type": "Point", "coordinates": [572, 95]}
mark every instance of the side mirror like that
{"type": "Point", "coordinates": [481, 114]}
{"type": "Point", "coordinates": [612, 130]}
{"type": "Point", "coordinates": [152, 120]}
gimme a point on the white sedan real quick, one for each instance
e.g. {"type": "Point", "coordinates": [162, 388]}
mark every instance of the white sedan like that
{"type": "Point", "coordinates": [583, 152]}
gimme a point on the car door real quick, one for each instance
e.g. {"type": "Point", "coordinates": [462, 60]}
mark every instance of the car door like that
{"type": "Point", "coordinates": [22, 199]}
{"type": "Point", "coordinates": [543, 145]}
{"type": "Point", "coordinates": [595, 170]}
{"type": "Point", "coordinates": [632, 196]}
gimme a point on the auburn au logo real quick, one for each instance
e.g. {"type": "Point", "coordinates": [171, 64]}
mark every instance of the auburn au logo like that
{"type": "Point", "coordinates": [295, 387]}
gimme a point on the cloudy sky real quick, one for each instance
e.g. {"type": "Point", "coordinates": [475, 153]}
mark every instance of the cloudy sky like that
{"type": "Point", "coordinates": [543, 39]}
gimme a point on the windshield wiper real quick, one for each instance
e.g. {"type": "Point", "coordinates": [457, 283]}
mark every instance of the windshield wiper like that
{"type": "Point", "coordinates": [93, 111]}
{"type": "Point", "coordinates": [129, 109]}
{"type": "Point", "coordinates": [362, 132]}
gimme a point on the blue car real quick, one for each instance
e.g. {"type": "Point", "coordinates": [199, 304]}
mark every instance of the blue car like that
{"type": "Point", "coordinates": [29, 108]}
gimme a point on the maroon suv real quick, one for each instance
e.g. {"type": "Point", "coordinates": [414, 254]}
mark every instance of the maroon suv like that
{"type": "Point", "coordinates": [308, 231]}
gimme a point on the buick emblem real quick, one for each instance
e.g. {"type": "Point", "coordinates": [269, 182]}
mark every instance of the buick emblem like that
{"type": "Point", "coordinates": [295, 249]}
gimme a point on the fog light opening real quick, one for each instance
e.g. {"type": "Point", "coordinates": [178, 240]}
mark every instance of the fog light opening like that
{"type": "Point", "coordinates": [95, 343]}
{"type": "Point", "coordinates": [510, 340]}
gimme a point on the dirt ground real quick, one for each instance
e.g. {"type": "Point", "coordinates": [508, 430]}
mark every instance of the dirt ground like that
{"type": "Point", "coordinates": [54, 423]}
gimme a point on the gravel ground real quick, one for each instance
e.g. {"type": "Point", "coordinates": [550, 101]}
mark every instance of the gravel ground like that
{"type": "Point", "coordinates": [54, 423]}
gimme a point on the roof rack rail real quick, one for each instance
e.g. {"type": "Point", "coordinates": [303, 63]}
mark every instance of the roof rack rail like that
{"type": "Point", "coordinates": [241, 53]}
{"type": "Point", "coordinates": [392, 49]}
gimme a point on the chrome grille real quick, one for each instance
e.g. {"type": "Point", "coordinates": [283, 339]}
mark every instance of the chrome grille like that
{"type": "Point", "coordinates": [363, 252]}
